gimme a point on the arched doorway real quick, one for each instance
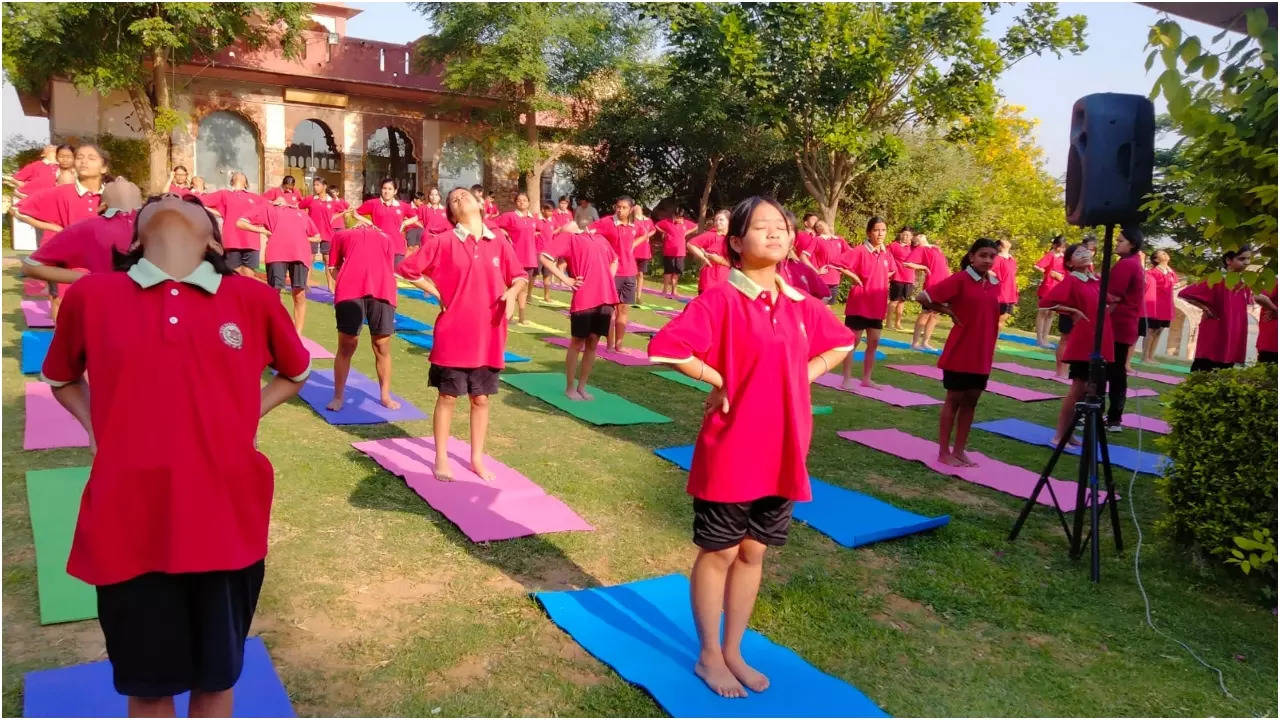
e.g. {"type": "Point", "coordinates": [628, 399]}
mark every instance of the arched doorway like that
{"type": "Point", "coordinates": [388, 152]}
{"type": "Point", "coordinates": [557, 181]}
{"type": "Point", "coordinates": [461, 164]}
{"type": "Point", "coordinates": [313, 154]}
{"type": "Point", "coordinates": [227, 143]}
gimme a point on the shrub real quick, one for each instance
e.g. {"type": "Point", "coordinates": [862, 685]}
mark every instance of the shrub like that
{"type": "Point", "coordinates": [130, 158]}
{"type": "Point", "coordinates": [1222, 443]}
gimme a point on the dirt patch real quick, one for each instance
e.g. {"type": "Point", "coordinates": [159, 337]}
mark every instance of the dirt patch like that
{"type": "Point", "coordinates": [377, 597]}
{"type": "Point", "coordinates": [466, 671]}
{"type": "Point", "coordinates": [1036, 640]}
{"type": "Point", "coordinates": [904, 614]}
{"type": "Point", "coordinates": [955, 491]}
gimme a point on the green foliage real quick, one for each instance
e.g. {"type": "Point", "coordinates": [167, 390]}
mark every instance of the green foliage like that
{"type": "Point", "coordinates": [1222, 480]}
{"type": "Point", "coordinates": [1221, 182]}
{"type": "Point", "coordinates": [1256, 552]}
{"type": "Point", "coordinates": [130, 158]}
{"type": "Point", "coordinates": [19, 151]}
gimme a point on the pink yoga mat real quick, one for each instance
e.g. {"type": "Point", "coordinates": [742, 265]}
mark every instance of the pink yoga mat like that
{"type": "Point", "coordinates": [1010, 391]}
{"type": "Point", "coordinates": [678, 297]}
{"type": "Point", "coordinates": [35, 288]}
{"type": "Point", "coordinates": [632, 327]}
{"type": "Point", "coordinates": [629, 356]}
{"type": "Point", "coordinates": [38, 313]}
{"type": "Point", "coordinates": [886, 393]}
{"type": "Point", "coordinates": [318, 351]}
{"type": "Point", "coordinates": [667, 313]}
{"type": "Point", "coordinates": [994, 474]}
{"type": "Point", "coordinates": [1146, 424]}
{"type": "Point", "coordinates": [1025, 371]}
{"type": "Point", "coordinates": [509, 506]}
{"type": "Point", "coordinates": [49, 425]}
{"type": "Point", "coordinates": [1158, 377]}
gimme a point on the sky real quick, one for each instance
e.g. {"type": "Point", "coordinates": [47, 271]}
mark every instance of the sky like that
{"type": "Point", "coordinates": [1046, 86]}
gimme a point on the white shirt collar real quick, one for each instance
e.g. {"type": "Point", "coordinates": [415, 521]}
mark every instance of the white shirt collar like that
{"type": "Point", "coordinates": [462, 233]}
{"type": "Point", "coordinates": [873, 248]}
{"type": "Point", "coordinates": [394, 202]}
{"type": "Point", "coordinates": [617, 222]}
{"type": "Point", "coordinates": [991, 276]}
{"type": "Point", "coordinates": [82, 190]}
{"type": "Point", "coordinates": [749, 288]}
{"type": "Point", "coordinates": [1084, 277]}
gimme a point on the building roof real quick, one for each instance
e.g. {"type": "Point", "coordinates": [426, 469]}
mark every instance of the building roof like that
{"type": "Point", "coordinates": [1225, 15]}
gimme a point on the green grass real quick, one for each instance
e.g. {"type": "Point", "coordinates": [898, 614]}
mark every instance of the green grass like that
{"type": "Point", "coordinates": [376, 605]}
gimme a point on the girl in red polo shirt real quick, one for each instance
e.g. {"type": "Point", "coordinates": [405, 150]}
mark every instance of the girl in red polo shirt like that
{"type": "Point", "coordinates": [870, 267]}
{"type": "Point", "coordinates": [1051, 268]}
{"type": "Point", "coordinates": [1007, 268]}
{"type": "Point", "coordinates": [709, 248]}
{"type": "Point", "coordinates": [675, 237]}
{"type": "Point", "coordinates": [936, 270]}
{"type": "Point", "coordinates": [521, 225]}
{"type": "Point", "coordinates": [591, 264]}
{"type": "Point", "coordinates": [172, 529]}
{"type": "Point", "coordinates": [321, 208]}
{"type": "Point", "coordinates": [824, 253]}
{"type": "Point", "coordinates": [749, 461]}
{"type": "Point", "coordinates": [1268, 328]}
{"type": "Point", "coordinates": [389, 214]}
{"type": "Point", "coordinates": [546, 230]}
{"type": "Point", "coordinates": [645, 229]}
{"type": "Point", "coordinates": [1224, 329]}
{"type": "Point", "coordinates": [179, 181]}
{"type": "Point", "coordinates": [971, 298]}
{"type": "Point", "coordinates": [42, 174]}
{"type": "Point", "coordinates": [432, 215]}
{"type": "Point", "coordinates": [364, 293]}
{"type": "Point", "coordinates": [1157, 302]}
{"type": "Point", "coordinates": [1077, 296]}
{"type": "Point", "coordinates": [563, 214]}
{"type": "Point", "coordinates": [292, 235]}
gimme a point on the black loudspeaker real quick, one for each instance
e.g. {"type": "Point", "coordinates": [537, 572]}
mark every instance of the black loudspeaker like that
{"type": "Point", "coordinates": [1109, 164]}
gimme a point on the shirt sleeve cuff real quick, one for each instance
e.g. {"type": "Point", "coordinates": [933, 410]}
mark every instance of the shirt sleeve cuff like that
{"type": "Point", "coordinates": [303, 376]}
{"type": "Point", "coordinates": [846, 348]}
{"type": "Point", "coordinates": [669, 361]}
{"type": "Point", "coordinates": [55, 383]}
{"type": "Point", "coordinates": [28, 260]}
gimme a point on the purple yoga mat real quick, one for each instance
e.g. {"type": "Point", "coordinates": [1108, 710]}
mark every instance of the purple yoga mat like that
{"type": "Point", "coordinates": [632, 327]}
{"type": "Point", "coordinates": [38, 313]}
{"type": "Point", "coordinates": [994, 474]}
{"type": "Point", "coordinates": [629, 356]}
{"type": "Point", "coordinates": [1025, 371]}
{"type": "Point", "coordinates": [886, 393]}
{"type": "Point", "coordinates": [49, 425]}
{"type": "Point", "coordinates": [1010, 391]}
{"type": "Point", "coordinates": [1158, 377]}
{"type": "Point", "coordinates": [319, 294]}
{"type": "Point", "coordinates": [554, 286]}
{"type": "Point", "coordinates": [1146, 424]}
{"type": "Point", "coordinates": [509, 506]}
{"type": "Point", "coordinates": [361, 404]}
{"type": "Point", "coordinates": [659, 293]}
{"type": "Point", "coordinates": [667, 313]}
{"type": "Point", "coordinates": [318, 351]}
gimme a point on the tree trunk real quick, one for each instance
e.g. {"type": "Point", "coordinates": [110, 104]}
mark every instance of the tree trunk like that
{"type": "Point", "coordinates": [712, 165]}
{"type": "Point", "coordinates": [158, 145]}
{"type": "Point", "coordinates": [533, 181]}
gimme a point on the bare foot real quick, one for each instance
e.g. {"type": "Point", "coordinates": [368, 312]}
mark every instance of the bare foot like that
{"type": "Point", "coordinates": [747, 675]}
{"type": "Point", "coordinates": [478, 467]}
{"type": "Point", "coordinates": [720, 679]}
{"type": "Point", "coordinates": [847, 384]}
{"type": "Point", "coordinates": [927, 346]}
{"type": "Point", "coordinates": [1073, 442]}
{"type": "Point", "coordinates": [334, 405]}
{"type": "Point", "coordinates": [582, 393]}
{"type": "Point", "coordinates": [390, 404]}
{"type": "Point", "coordinates": [872, 385]}
{"type": "Point", "coordinates": [948, 459]}
{"type": "Point", "coordinates": [573, 395]}
{"type": "Point", "coordinates": [442, 471]}
{"type": "Point", "coordinates": [964, 459]}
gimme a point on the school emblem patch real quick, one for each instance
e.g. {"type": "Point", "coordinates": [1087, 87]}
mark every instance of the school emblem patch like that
{"type": "Point", "coordinates": [231, 335]}
{"type": "Point", "coordinates": [495, 262]}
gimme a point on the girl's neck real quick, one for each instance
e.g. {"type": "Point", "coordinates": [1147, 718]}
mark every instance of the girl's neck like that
{"type": "Point", "coordinates": [175, 260]}
{"type": "Point", "coordinates": [766, 276]}
{"type": "Point", "coordinates": [474, 225]}
{"type": "Point", "coordinates": [1003, 253]}
{"type": "Point", "coordinates": [93, 184]}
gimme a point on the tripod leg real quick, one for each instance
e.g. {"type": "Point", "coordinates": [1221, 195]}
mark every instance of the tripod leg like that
{"type": "Point", "coordinates": [1095, 422]}
{"type": "Point", "coordinates": [1111, 491]}
{"type": "Point", "coordinates": [1082, 483]}
{"type": "Point", "coordinates": [1043, 484]}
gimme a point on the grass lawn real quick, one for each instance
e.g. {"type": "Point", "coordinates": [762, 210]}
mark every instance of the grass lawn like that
{"type": "Point", "coordinates": [376, 605]}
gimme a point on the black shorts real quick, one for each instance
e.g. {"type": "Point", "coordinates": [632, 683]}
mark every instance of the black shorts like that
{"type": "Point", "coordinates": [295, 271]}
{"type": "Point", "coordinates": [457, 382]}
{"type": "Point", "coordinates": [1153, 324]}
{"type": "Point", "coordinates": [395, 262]}
{"type": "Point", "coordinates": [963, 381]}
{"type": "Point", "coordinates": [642, 266]}
{"type": "Point", "coordinates": [169, 633]}
{"type": "Point", "coordinates": [1203, 365]}
{"type": "Point", "coordinates": [242, 258]}
{"type": "Point", "coordinates": [717, 526]}
{"type": "Point", "coordinates": [321, 248]}
{"type": "Point", "coordinates": [595, 321]}
{"type": "Point", "coordinates": [626, 287]}
{"type": "Point", "coordinates": [1065, 323]}
{"type": "Point", "coordinates": [1267, 356]}
{"type": "Point", "coordinates": [901, 291]}
{"type": "Point", "coordinates": [379, 313]}
{"type": "Point", "coordinates": [1078, 370]}
{"type": "Point", "coordinates": [1006, 308]}
{"type": "Point", "coordinates": [673, 265]}
{"type": "Point", "coordinates": [413, 237]}
{"type": "Point", "coordinates": [859, 323]}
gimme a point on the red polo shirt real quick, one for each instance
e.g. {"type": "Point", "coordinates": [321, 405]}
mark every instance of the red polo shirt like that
{"type": "Point", "coordinates": [435, 220]}
{"type": "Point", "coordinates": [621, 236]}
{"type": "Point", "coordinates": [339, 206]}
{"type": "Point", "coordinates": [232, 205]}
{"type": "Point", "coordinates": [1159, 304]}
{"type": "Point", "coordinates": [589, 256]}
{"type": "Point", "coordinates": [471, 274]}
{"type": "Point", "coordinates": [290, 197]}
{"type": "Point", "coordinates": [1127, 278]}
{"type": "Point", "coordinates": [1080, 291]}
{"type": "Point", "coordinates": [673, 237]}
{"type": "Point", "coordinates": [180, 190]}
{"type": "Point", "coordinates": [804, 242]}
{"type": "Point", "coordinates": [522, 229]}
{"type": "Point", "coordinates": [1007, 270]}
{"type": "Point", "coordinates": [87, 243]}
{"type": "Point", "coordinates": [363, 257]}
{"type": "Point", "coordinates": [1268, 328]}
{"type": "Point", "coordinates": [644, 251]}
{"type": "Point", "coordinates": [291, 232]}
{"type": "Point", "coordinates": [389, 217]}
{"type": "Point", "coordinates": [36, 176]}
{"type": "Point", "coordinates": [761, 345]}
{"type": "Point", "coordinates": [1050, 262]}
{"type": "Point", "coordinates": [826, 255]}
{"type": "Point", "coordinates": [976, 302]}
{"type": "Point", "coordinates": [321, 209]}
{"type": "Point", "coordinates": [490, 209]}
{"type": "Point", "coordinates": [560, 218]}
{"type": "Point", "coordinates": [1225, 337]}
{"type": "Point", "coordinates": [933, 259]}
{"type": "Point", "coordinates": [902, 252]}
{"type": "Point", "coordinates": [62, 204]}
{"type": "Point", "coordinates": [172, 490]}
{"type": "Point", "coordinates": [871, 298]}
{"type": "Point", "coordinates": [711, 274]}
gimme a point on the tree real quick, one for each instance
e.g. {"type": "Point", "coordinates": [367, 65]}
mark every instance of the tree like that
{"type": "Point", "coordinates": [841, 81]}
{"type": "Point", "coordinates": [134, 46]}
{"type": "Point", "coordinates": [1223, 103]}
{"type": "Point", "coordinates": [534, 54]}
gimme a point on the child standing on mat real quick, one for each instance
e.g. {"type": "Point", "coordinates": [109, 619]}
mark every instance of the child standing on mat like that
{"type": "Point", "coordinates": [477, 278]}
{"type": "Point", "coordinates": [592, 264]}
{"type": "Point", "coordinates": [1224, 329]}
{"type": "Point", "coordinates": [971, 298]}
{"type": "Point", "coordinates": [870, 267]}
{"type": "Point", "coordinates": [364, 292]}
{"type": "Point", "coordinates": [521, 225]}
{"type": "Point", "coordinates": [291, 237]}
{"type": "Point", "coordinates": [172, 529]}
{"type": "Point", "coordinates": [675, 235]}
{"type": "Point", "coordinates": [1007, 268]}
{"type": "Point", "coordinates": [1077, 296]}
{"type": "Point", "coordinates": [709, 248]}
{"type": "Point", "coordinates": [936, 270]}
{"type": "Point", "coordinates": [620, 230]}
{"type": "Point", "coordinates": [744, 481]}
{"type": "Point", "coordinates": [1050, 265]}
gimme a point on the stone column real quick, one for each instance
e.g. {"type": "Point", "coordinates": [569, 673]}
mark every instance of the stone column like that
{"type": "Point", "coordinates": [274, 133]}
{"type": "Point", "coordinates": [352, 157]}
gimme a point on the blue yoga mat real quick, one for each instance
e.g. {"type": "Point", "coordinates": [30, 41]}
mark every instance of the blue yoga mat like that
{"type": "Point", "coordinates": [858, 355]}
{"type": "Point", "coordinates": [846, 516]}
{"type": "Point", "coordinates": [902, 345]}
{"type": "Point", "coordinates": [1029, 432]}
{"type": "Point", "coordinates": [87, 690]}
{"type": "Point", "coordinates": [429, 341]}
{"type": "Point", "coordinates": [418, 294]}
{"type": "Point", "coordinates": [404, 323]}
{"type": "Point", "coordinates": [361, 400]}
{"type": "Point", "coordinates": [318, 266]}
{"type": "Point", "coordinates": [35, 345]}
{"type": "Point", "coordinates": [1023, 339]}
{"type": "Point", "coordinates": [644, 630]}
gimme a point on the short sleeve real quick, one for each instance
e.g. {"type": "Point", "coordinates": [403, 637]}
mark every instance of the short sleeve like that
{"type": "Point", "coordinates": [687, 336]}
{"type": "Point", "coordinates": [422, 262]}
{"type": "Point", "coordinates": [305, 203]}
{"type": "Point", "coordinates": [824, 331]}
{"type": "Point", "coordinates": [312, 230]}
{"type": "Point", "coordinates": [557, 246]}
{"type": "Point", "coordinates": [259, 215]}
{"type": "Point", "coordinates": [699, 241]}
{"type": "Point", "coordinates": [949, 289]}
{"type": "Point", "coordinates": [512, 270]}
{"type": "Point", "coordinates": [59, 249]}
{"type": "Point", "coordinates": [288, 356]}
{"type": "Point", "coordinates": [366, 208]}
{"type": "Point", "coordinates": [602, 227]}
{"type": "Point", "coordinates": [28, 171]}
{"type": "Point", "coordinates": [65, 361]}
{"type": "Point", "coordinates": [337, 248]}
{"type": "Point", "coordinates": [1061, 294]}
{"type": "Point", "coordinates": [1200, 291]}
{"type": "Point", "coordinates": [40, 206]}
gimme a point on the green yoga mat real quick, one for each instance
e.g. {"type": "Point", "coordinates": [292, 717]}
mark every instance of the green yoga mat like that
{"type": "Point", "coordinates": [53, 498]}
{"type": "Point", "coordinates": [677, 376]}
{"type": "Point", "coordinates": [1022, 352]}
{"type": "Point", "coordinates": [605, 409]}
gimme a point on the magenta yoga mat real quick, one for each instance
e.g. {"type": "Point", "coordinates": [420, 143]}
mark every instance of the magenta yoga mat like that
{"type": "Point", "coordinates": [49, 425]}
{"type": "Point", "coordinates": [38, 313]}
{"type": "Point", "coordinates": [994, 474]}
{"type": "Point", "coordinates": [509, 506]}
{"type": "Point", "coordinates": [1010, 391]}
{"type": "Point", "coordinates": [885, 394]}
{"type": "Point", "coordinates": [1158, 377]}
{"type": "Point", "coordinates": [667, 313]}
{"type": "Point", "coordinates": [1144, 423]}
{"type": "Point", "coordinates": [629, 356]}
{"type": "Point", "coordinates": [1042, 374]}
{"type": "Point", "coordinates": [318, 351]}
{"type": "Point", "coordinates": [632, 327]}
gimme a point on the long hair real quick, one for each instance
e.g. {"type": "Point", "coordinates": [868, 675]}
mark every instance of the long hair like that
{"type": "Point", "coordinates": [977, 245]}
{"type": "Point", "coordinates": [124, 260]}
{"type": "Point", "coordinates": [1066, 256]}
{"type": "Point", "coordinates": [740, 220]}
